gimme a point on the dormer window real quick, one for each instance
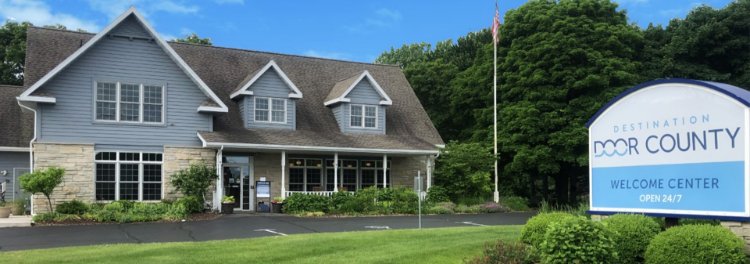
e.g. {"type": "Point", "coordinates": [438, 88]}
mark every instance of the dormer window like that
{"type": "Point", "coordinates": [272, 110]}
{"type": "Point", "coordinates": [363, 116]}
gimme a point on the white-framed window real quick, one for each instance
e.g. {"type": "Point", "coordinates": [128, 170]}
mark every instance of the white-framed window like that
{"type": "Point", "coordinates": [128, 176]}
{"type": "Point", "coordinates": [364, 116]}
{"type": "Point", "coordinates": [129, 102]}
{"type": "Point", "coordinates": [271, 110]}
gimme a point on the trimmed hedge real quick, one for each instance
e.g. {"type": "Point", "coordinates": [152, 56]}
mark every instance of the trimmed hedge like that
{"type": "Point", "coordinates": [504, 252]}
{"type": "Point", "coordinates": [632, 235]}
{"type": "Point", "coordinates": [368, 201]}
{"type": "Point", "coordinates": [72, 207]}
{"type": "Point", "coordinates": [533, 232]}
{"type": "Point", "coordinates": [696, 244]}
{"type": "Point", "coordinates": [577, 240]}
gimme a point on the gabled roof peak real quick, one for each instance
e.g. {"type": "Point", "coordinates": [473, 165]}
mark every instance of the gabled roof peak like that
{"type": "Point", "coordinates": [28, 94]}
{"type": "Point", "coordinates": [244, 86]}
{"type": "Point", "coordinates": [343, 88]}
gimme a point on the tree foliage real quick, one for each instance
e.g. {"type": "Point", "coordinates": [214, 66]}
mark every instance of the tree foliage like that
{"type": "Point", "coordinates": [12, 52]}
{"type": "Point", "coordinates": [464, 170]}
{"type": "Point", "coordinates": [43, 181]}
{"type": "Point", "coordinates": [195, 39]}
{"type": "Point", "coordinates": [194, 180]}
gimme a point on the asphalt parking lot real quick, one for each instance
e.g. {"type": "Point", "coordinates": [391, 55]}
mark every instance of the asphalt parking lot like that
{"type": "Point", "coordinates": [231, 227]}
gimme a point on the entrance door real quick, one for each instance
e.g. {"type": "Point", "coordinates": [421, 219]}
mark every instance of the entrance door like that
{"type": "Point", "coordinates": [240, 184]}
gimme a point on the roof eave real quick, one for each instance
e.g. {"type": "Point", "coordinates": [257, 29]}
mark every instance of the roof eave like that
{"type": "Point", "coordinates": [36, 99]}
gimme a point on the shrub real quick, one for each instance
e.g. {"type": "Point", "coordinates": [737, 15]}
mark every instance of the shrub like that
{"type": "Point", "coordinates": [193, 204]}
{"type": "Point", "coordinates": [695, 244]}
{"type": "Point", "coordinates": [43, 181]}
{"type": "Point", "coordinates": [300, 203]}
{"type": "Point", "coordinates": [691, 221]}
{"type": "Point", "coordinates": [72, 207]}
{"type": "Point", "coordinates": [464, 209]}
{"type": "Point", "coordinates": [18, 207]}
{"type": "Point", "coordinates": [492, 207]}
{"type": "Point", "coordinates": [632, 234]}
{"type": "Point", "coordinates": [504, 252]}
{"type": "Point", "coordinates": [404, 201]}
{"type": "Point", "coordinates": [338, 200]}
{"type": "Point", "coordinates": [54, 217]}
{"type": "Point", "coordinates": [533, 232]}
{"type": "Point", "coordinates": [464, 170]}
{"type": "Point", "coordinates": [437, 194]}
{"type": "Point", "coordinates": [176, 211]}
{"type": "Point", "coordinates": [364, 201]}
{"type": "Point", "coordinates": [515, 203]}
{"type": "Point", "coordinates": [577, 240]}
{"type": "Point", "coordinates": [195, 180]}
{"type": "Point", "coordinates": [442, 208]}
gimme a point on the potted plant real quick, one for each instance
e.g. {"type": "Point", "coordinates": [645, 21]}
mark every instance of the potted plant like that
{"type": "Point", "coordinates": [227, 205]}
{"type": "Point", "coordinates": [276, 204]}
{"type": "Point", "coordinates": [4, 210]}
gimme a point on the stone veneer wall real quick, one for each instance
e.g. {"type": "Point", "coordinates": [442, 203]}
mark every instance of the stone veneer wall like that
{"type": "Point", "coordinates": [742, 230]}
{"type": "Point", "coordinates": [178, 158]}
{"type": "Point", "coordinates": [78, 162]}
{"type": "Point", "coordinates": [404, 169]}
{"type": "Point", "coordinates": [78, 182]}
{"type": "Point", "coordinates": [269, 165]}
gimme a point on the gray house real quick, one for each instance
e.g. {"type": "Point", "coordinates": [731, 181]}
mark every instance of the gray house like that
{"type": "Point", "coordinates": [122, 110]}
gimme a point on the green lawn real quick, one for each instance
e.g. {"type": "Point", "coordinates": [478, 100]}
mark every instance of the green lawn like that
{"type": "Point", "coordinates": [437, 245]}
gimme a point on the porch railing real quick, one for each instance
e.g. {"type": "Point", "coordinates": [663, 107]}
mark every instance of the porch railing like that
{"type": "Point", "coordinates": [321, 193]}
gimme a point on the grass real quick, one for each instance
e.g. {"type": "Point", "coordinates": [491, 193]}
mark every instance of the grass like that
{"type": "Point", "coordinates": [436, 245]}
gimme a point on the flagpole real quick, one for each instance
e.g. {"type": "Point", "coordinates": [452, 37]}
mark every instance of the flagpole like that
{"type": "Point", "coordinates": [494, 97]}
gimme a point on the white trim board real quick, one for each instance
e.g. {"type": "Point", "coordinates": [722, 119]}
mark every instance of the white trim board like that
{"type": "Point", "coordinates": [315, 148]}
{"type": "Point", "coordinates": [14, 149]}
{"type": "Point", "coordinates": [26, 95]}
{"type": "Point", "coordinates": [296, 93]}
{"type": "Point", "coordinates": [342, 98]}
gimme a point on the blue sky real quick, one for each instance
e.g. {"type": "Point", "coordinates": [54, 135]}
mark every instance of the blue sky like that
{"type": "Point", "coordinates": [342, 29]}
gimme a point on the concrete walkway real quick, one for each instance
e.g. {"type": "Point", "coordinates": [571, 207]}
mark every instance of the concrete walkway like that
{"type": "Point", "coordinates": [16, 221]}
{"type": "Point", "coordinates": [229, 227]}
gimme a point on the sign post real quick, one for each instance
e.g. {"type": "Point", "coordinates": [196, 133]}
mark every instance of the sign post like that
{"type": "Point", "coordinates": [418, 190]}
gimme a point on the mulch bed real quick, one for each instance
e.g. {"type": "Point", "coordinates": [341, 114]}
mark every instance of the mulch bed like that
{"type": "Point", "coordinates": [191, 218]}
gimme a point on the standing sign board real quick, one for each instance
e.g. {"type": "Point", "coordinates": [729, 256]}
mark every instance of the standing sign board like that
{"type": "Point", "coordinates": [672, 147]}
{"type": "Point", "coordinates": [262, 189]}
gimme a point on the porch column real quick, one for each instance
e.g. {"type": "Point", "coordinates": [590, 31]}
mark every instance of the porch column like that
{"type": "Point", "coordinates": [219, 194]}
{"type": "Point", "coordinates": [336, 172]}
{"type": "Point", "coordinates": [429, 172]}
{"type": "Point", "coordinates": [283, 174]}
{"type": "Point", "coordinates": [385, 170]}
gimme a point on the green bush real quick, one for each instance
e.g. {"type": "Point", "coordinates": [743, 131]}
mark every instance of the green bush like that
{"type": "Point", "coordinates": [515, 203]}
{"type": "Point", "coordinates": [43, 181]}
{"type": "Point", "coordinates": [632, 233]}
{"type": "Point", "coordinates": [195, 180]}
{"type": "Point", "coordinates": [577, 240]}
{"type": "Point", "coordinates": [54, 217]}
{"type": "Point", "coordinates": [300, 203]}
{"type": "Point", "coordinates": [533, 232]}
{"type": "Point", "coordinates": [442, 208]}
{"type": "Point", "coordinates": [193, 204]}
{"type": "Point", "coordinates": [437, 194]}
{"type": "Point", "coordinates": [404, 201]}
{"type": "Point", "coordinates": [696, 244]}
{"type": "Point", "coordinates": [504, 252]}
{"type": "Point", "coordinates": [18, 207]}
{"type": "Point", "coordinates": [72, 207]}
{"type": "Point", "coordinates": [691, 221]}
{"type": "Point", "coordinates": [464, 209]}
{"type": "Point", "coordinates": [492, 207]}
{"type": "Point", "coordinates": [338, 200]}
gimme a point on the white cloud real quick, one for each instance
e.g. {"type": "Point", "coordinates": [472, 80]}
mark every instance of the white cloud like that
{"type": "Point", "coordinates": [40, 14]}
{"type": "Point", "coordinates": [221, 2]}
{"type": "Point", "coordinates": [114, 8]}
{"type": "Point", "coordinates": [327, 55]}
{"type": "Point", "coordinates": [381, 18]}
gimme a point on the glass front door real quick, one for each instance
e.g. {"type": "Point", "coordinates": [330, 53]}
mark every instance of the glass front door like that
{"type": "Point", "coordinates": [239, 183]}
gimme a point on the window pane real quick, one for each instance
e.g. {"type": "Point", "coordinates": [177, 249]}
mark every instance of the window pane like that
{"type": "Point", "coordinates": [278, 104]}
{"type": "Point", "coordinates": [106, 111]}
{"type": "Point", "coordinates": [368, 164]}
{"type": "Point", "coordinates": [152, 156]}
{"type": "Point", "coordinates": [106, 156]}
{"type": "Point", "coordinates": [370, 111]}
{"type": "Point", "coordinates": [314, 179]}
{"type": "Point", "coordinates": [151, 172]}
{"type": "Point", "coordinates": [356, 121]}
{"type": "Point", "coordinates": [130, 93]}
{"type": "Point", "coordinates": [106, 92]}
{"type": "Point", "coordinates": [128, 173]}
{"type": "Point", "coordinates": [261, 115]}
{"type": "Point", "coordinates": [129, 112]}
{"type": "Point", "coordinates": [261, 103]}
{"type": "Point", "coordinates": [369, 122]}
{"type": "Point", "coordinates": [296, 162]}
{"type": "Point", "coordinates": [130, 156]}
{"type": "Point", "coordinates": [277, 116]}
{"type": "Point", "coordinates": [128, 191]}
{"type": "Point", "coordinates": [152, 94]}
{"type": "Point", "coordinates": [152, 191]}
{"type": "Point", "coordinates": [296, 176]}
{"type": "Point", "coordinates": [105, 172]}
{"type": "Point", "coordinates": [105, 191]}
{"type": "Point", "coordinates": [329, 179]}
{"type": "Point", "coordinates": [152, 113]}
{"type": "Point", "coordinates": [349, 180]}
{"type": "Point", "coordinates": [357, 110]}
{"type": "Point", "coordinates": [314, 163]}
{"type": "Point", "coordinates": [348, 163]}
{"type": "Point", "coordinates": [368, 178]}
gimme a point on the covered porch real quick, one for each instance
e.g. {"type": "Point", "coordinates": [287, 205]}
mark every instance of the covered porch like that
{"type": "Point", "coordinates": [254, 175]}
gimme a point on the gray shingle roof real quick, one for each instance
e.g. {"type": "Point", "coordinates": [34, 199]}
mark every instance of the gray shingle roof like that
{"type": "Point", "coordinates": [340, 87]}
{"type": "Point", "coordinates": [16, 125]}
{"type": "Point", "coordinates": [223, 69]}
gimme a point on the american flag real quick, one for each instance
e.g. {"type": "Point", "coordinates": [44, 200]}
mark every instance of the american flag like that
{"type": "Point", "coordinates": [495, 24]}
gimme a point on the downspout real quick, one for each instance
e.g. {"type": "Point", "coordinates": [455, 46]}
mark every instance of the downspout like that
{"type": "Point", "coordinates": [31, 148]}
{"type": "Point", "coordinates": [219, 194]}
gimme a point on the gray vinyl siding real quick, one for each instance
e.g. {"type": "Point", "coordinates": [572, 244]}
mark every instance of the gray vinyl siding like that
{"type": "Point", "coordinates": [14, 164]}
{"type": "Point", "coordinates": [72, 118]}
{"type": "Point", "coordinates": [363, 93]}
{"type": "Point", "coordinates": [270, 85]}
{"type": "Point", "coordinates": [341, 112]}
{"type": "Point", "coordinates": [105, 147]}
{"type": "Point", "coordinates": [131, 28]}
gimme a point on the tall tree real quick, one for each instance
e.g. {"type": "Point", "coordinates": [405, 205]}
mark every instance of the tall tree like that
{"type": "Point", "coordinates": [195, 39]}
{"type": "Point", "coordinates": [12, 52]}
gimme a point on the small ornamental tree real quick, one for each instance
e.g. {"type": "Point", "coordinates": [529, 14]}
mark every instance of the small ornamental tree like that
{"type": "Point", "coordinates": [195, 180]}
{"type": "Point", "coordinates": [43, 181]}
